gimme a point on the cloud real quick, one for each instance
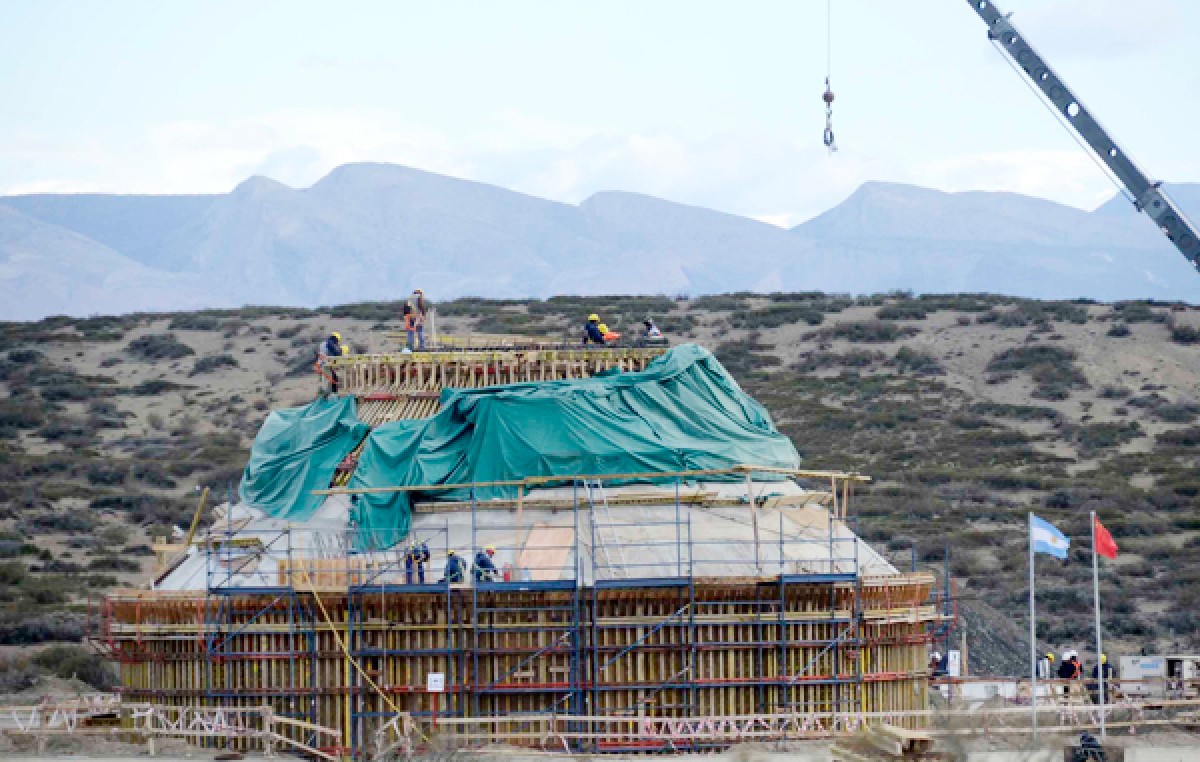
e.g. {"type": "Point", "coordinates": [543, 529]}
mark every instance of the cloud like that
{"type": "Point", "coordinates": [1065, 176]}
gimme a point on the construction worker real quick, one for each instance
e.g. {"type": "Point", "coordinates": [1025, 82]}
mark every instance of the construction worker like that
{"type": "Point", "coordinates": [414, 561]}
{"type": "Point", "coordinates": [592, 332]}
{"type": "Point", "coordinates": [415, 312]}
{"type": "Point", "coordinates": [1045, 667]}
{"type": "Point", "coordinates": [609, 336]}
{"type": "Point", "coordinates": [456, 568]}
{"type": "Point", "coordinates": [1068, 670]}
{"type": "Point", "coordinates": [1105, 669]}
{"type": "Point", "coordinates": [331, 347]}
{"type": "Point", "coordinates": [485, 568]}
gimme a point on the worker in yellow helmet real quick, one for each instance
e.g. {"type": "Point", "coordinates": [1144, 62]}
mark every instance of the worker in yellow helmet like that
{"type": "Point", "coordinates": [1105, 670]}
{"type": "Point", "coordinates": [591, 330]}
{"type": "Point", "coordinates": [456, 568]}
{"type": "Point", "coordinates": [1045, 667]}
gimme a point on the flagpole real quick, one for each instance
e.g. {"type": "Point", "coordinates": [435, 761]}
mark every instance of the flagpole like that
{"type": "Point", "coordinates": [1032, 634]}
{"type": "Point", "coordinates": [1096, 611]}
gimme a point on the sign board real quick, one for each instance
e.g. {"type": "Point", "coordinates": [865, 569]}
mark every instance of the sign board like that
{"type": "Point", "coordinates": [954, 663]}
{"type": "Point", "coordinates": [435, 682]}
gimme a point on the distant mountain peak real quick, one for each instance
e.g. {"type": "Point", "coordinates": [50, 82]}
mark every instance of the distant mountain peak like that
{"type": "Point", "coordinates": [259, 185]}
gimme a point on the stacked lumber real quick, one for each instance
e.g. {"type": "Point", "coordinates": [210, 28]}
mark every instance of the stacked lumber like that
{"type": "Point", "coordinates": [886, 742]}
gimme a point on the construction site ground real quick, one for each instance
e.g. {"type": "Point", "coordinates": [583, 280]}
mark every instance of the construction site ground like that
{"type": "Point", "coordinates": [1162, 746]}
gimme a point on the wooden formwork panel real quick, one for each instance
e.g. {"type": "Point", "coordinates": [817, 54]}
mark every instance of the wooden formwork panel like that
{"type": "Point", "coordinates": [680, 651]}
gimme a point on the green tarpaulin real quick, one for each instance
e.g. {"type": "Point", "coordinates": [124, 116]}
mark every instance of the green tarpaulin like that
{"type": "Point", "coordinates": [297, 451]}
{"type": "Point", "coordinates": [683, 412]}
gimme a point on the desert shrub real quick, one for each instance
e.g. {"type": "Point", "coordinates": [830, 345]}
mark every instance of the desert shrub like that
{"type": "Point", "coordinates": [776, 315]}
{"type": "Point", "coordinates": [68, 430]}
{"type": "Point", "coordinates": [79, 662]}
{"type": "Point", "coordinates": [107, 473]}
{"type": "Point", "coordinates": [45, 593]}
{"type": "Point", "coordinates": [62, 385]}
{"type": "Point", "coordinates": [372, 310]}
{"type": "Point", "coordinates": [722, 302]}
{"type": "Point", "coordinates": [158, 346]}
{"type": "Point", "coordinates": [1114, 393]}
{"type": "Point", "coordinates": [1165, 410]}
{"type": "Point", "coordinates": [1053, 369]}
{"type": "Point", "coordinates": [65, 521]}
{"type": "Point", "coordinates": [1099, 436]}
{"type": "Point", "coordinates": [152, 473]}
{"type": "Point", "coordinates": [21, 627]}
{"type": "Point", "coordinates": [903, 311]}
{"type": "Point", "coordinates": [1118, 330]}
{"type": "Point", "coordinates": [194, 321]}
{"type": "Point", "coordinates": [1004, 318]}
{"type": "Point", "coordinates": [1016, 412]}
{"type": "Point", "coordinates": [300, 364]}
{"type": "Point", "coordinates": [1185, 334]}
{"type": "Point", "coordinates": [155, 387]}
{"type": "Point", "coordinates": [26, 356]}
{"type": "Point", "coordinates": [1189, 437]}
{"type": "Point", "coordinates": [16, 549]}
{"type": "Point", "coordinates": [1181, 412]}
{"type": "Point", "coordinates": [13, 573]}
{"type": "Point", "coordinates": [853, 358]}
{"type": "Point", "coordinates": [16, 673]}
{"type": "Point", "coordinates": [291, 331]}
{"type": "Point", "coordinates": [869, 332]}
{"type": "Point", "coordinates": [113, 563]}
{"type": "Point", "coordinates": [743, 356]}
{"type": "Point", "coordinates": [213, 362]}
{"type": "Point", "coordinates": [18, 414]}
{"type": "Point", "coordinates": [908, 360]}
{"type": "Point", "coordinates": [1137, 312]}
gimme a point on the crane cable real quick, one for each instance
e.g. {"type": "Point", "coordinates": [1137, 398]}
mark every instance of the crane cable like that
{"type": "Point", "coordinates": [828, 95]}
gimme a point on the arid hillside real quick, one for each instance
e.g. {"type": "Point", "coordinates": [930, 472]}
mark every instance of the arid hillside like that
{"type": "Point", "coordinates": [969, 411]}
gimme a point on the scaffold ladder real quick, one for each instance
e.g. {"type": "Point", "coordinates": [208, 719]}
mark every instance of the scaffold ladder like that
{"type": "Point", "coordinates": [595, 488]}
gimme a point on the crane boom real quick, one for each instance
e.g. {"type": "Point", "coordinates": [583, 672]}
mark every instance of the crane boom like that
{"type": "Point", "coordinates": [1148, 196]}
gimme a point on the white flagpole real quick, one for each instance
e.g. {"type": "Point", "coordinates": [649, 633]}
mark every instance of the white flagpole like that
{"type": "Point", "coordinates": [1099, 649]}
{"type": "Point", "coordinates": [1032, 635]}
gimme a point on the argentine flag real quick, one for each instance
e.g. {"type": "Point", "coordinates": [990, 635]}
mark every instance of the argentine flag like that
{"type": "Point", "coordinates": [1047, 539]}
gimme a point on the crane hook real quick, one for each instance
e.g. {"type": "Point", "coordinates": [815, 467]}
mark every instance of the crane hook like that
{"type": "Point", "coordinates": [828, 98]}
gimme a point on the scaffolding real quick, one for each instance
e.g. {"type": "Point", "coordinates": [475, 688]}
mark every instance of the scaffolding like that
{"type": "Point", "coordinates": [609, 613]}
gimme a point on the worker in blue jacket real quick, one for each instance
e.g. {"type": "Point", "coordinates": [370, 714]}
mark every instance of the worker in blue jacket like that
{"type": "Point", "coordinates": [456, 568]}
{"type": "Point", "coordinates": [414, 561]}
{"type": "Point", "coordinates": [592, 332]}
{"type": "Point", "coordinates": [485, 568]}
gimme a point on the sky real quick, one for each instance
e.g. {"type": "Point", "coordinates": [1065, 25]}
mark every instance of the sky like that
{"type": "Point", "coordinates": [716, 104]}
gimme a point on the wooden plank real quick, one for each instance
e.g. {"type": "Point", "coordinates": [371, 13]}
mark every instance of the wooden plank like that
{"type": "Point", "coordinates": [545, 552]}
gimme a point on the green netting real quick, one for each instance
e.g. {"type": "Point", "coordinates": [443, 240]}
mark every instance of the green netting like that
{"type": "Point", "coordinates": [684, 412]}
{"type": "Point", "coordinates": [297, 451]}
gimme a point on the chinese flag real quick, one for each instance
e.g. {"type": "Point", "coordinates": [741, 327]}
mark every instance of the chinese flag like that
{"type": "Point", "coordinates": [1105, 544]}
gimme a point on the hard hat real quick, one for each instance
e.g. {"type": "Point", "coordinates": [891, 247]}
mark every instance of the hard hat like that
{"type": "Point", "coordinates": [451, 553]}
{"type": "Point", "coordinates": [1049, 657]}
{"type": "Point", "coordinates": [418, 291]}
{"type": "Point", "coordinates": [594, 316]}
{"type": "Point", "coordinates": [337, 336]}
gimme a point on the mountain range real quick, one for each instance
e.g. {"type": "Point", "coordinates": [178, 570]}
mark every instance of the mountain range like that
{"type": "Point", "coordinates": [375, 231]}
